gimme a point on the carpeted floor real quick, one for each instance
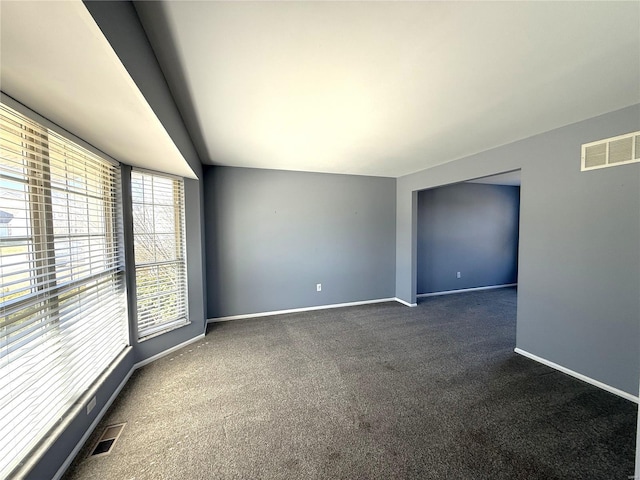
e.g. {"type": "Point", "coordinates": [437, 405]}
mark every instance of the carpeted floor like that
{"type": "Point", "coordinates": [372, 392]}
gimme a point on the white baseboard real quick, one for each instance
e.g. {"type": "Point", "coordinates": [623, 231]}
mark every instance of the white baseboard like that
{"type": "Point", "coordinates": [169, 351]}
{"type": "Point", "coordinates": [579, 376]}
{"type": "Point", "coordinates": [399, 300]}
{"type": "Point", "coordinates": [462, 290]}
{"type": "Point", "coordinates": [298, 310]}
{"type": "Point", "coordinates": [114, 395]}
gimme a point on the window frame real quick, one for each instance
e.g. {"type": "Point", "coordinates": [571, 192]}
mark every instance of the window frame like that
{"type": "Point", "coordinates": [160, 327]}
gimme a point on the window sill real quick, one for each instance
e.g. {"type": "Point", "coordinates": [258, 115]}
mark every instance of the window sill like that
{"type": "Point", "coordinates": [166, 328]}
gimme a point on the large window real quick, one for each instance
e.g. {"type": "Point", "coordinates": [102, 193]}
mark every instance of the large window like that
{"type": "Point", "coordinates": [62, 306]}
{"type": "Point", "coordinates": [159, 243]}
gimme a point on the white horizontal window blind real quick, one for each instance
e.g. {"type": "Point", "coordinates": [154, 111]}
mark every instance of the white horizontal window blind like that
{"type": "Point", "coordinates": [159, 243]}
{"type": "Point", "coordinates": [62, 305]}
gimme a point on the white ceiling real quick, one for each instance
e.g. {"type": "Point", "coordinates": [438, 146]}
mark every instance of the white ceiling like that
{"type": "Point", "coordinates": [55, 60]}
{"type": "Point", "coordinates": [388, 88]}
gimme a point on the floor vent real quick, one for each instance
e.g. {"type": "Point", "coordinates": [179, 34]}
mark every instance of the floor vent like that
{"type": "Point", "coordinates": [107, 440]}
{"type": "Point", "coordinates": [611, 152]}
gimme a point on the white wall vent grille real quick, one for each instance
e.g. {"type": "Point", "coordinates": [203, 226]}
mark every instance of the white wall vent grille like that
{"type": "Point", "coordinates": [611, 151]}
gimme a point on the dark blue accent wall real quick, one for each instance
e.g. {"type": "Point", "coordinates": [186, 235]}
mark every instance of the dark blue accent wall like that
{"type": "Point", "coordinates": [469, 228]}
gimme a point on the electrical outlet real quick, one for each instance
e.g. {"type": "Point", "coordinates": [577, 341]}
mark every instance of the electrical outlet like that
{"type": "Point", "coordinates": [318, 287]}
{"type": "Point", "coordinates": [91, 405]}
{"type": "Point", "coordinates": [458, 275]}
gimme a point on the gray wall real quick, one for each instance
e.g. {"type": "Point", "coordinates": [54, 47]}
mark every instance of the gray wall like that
{"type": "Point", "coordinates": [469, 228]}
{"type": "Point", "coordinates": [579, 261]}
{"type": "Point", "coordinates": [273, 235]}
{"type": "Point", "coordinates": [120, 24]}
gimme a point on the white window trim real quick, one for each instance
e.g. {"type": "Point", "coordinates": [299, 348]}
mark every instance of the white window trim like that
{"type": "Point", "coordinates": [161, 328]}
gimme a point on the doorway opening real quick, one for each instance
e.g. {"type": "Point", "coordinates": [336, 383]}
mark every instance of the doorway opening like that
{"type": "Point", "coordinates": [467, 235]}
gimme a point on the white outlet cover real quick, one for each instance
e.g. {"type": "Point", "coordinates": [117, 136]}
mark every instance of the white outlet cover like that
{"type": "Point", "coordinates": [91, 405]}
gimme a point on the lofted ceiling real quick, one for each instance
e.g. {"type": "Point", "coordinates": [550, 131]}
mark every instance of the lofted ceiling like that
{"type": "Point", "coordinates": [55, 60]}
{"type": "Point", "coordinates": [387, 88]}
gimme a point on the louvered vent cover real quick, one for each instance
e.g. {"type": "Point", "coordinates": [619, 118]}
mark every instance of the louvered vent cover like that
{"type": "Point", "coordinates": [107, 440]}
{"type": "Point", "coordinates": [611, 151]}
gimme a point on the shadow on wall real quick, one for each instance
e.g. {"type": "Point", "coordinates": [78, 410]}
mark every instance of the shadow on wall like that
{"type": "Point", "coordinates": [467, 237]}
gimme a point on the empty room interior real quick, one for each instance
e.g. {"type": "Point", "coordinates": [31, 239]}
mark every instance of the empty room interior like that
{"type": "Point", "coordinates": [319, 239]}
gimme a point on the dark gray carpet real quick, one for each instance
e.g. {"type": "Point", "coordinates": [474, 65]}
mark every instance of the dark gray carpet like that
{"type": "Point", "coordinates": [372, 392]}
